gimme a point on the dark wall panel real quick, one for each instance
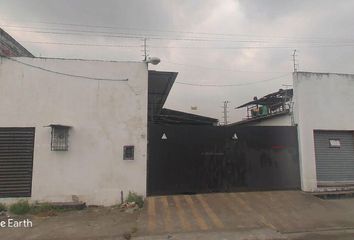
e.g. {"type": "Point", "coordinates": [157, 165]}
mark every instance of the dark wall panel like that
{"type": "Point", "coordinates": [207, 159]}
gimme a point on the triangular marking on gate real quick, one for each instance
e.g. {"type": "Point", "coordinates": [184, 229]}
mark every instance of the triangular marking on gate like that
{"type": "Point", "coordinates": [164, 137]}
{"type": "Point", "coordinates": [234, 137]}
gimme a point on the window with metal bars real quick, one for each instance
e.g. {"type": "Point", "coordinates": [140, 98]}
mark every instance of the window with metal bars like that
{"type": "Point", "coordinates": [60, 138]}
{"type": "Point", "coordinates": [128, 153]}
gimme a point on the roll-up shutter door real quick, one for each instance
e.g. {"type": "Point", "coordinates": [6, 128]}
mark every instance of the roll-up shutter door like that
{"type": "Point", "coordinates": [16, 159]}
{"type": "Point", "coordinates": [334, 152]}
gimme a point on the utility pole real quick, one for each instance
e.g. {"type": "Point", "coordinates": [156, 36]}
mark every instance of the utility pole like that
{"type": "Point", "coordinates": [145, 49]}
{"type": "Point", "coordinates": [225, 112]}
{"type": "Point", "coordinates": [294, 61]}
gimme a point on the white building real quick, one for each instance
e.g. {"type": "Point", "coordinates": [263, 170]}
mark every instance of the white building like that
{"type": "Point", "coordinates": [324, 114]}
{"type": "Point", "coordinates": [75, 130]}
{"type": "Point", "coordinates": [322, 108]}
{"type": "Point", "coordinates": [89, 111]}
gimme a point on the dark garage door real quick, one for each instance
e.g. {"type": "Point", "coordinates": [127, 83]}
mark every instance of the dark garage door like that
{"type": "Point", "coordinates": [334, 157]}
{"type": "Point", "coordinates": [16, 158]}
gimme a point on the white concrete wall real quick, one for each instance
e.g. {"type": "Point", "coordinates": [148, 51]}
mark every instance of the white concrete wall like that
{"type": "Point", "coordinates": [105, 116]}
{"type": "Point", "coordinates": [322, 102]}
{"type": "Point", "coordinates": [281, 120]}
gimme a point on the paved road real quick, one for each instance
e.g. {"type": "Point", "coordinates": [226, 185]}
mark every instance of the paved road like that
{"type": "Point", "coordinates": [287, 212]}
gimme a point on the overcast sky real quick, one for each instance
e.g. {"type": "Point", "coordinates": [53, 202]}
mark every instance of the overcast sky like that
{"type": "Point", "coordinates": [216, 42]}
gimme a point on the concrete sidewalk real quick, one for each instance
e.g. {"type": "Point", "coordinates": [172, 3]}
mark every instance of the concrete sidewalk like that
{"type": "Point", "coordinates": [277, 212]}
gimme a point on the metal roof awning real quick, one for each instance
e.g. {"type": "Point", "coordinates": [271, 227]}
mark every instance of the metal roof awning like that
{"type": "Point", "coordinates": [58, 126]}
{"type": "Point", "coordinates": [159, 86]}
{"type": "Point", "coordinates": [271, 99]}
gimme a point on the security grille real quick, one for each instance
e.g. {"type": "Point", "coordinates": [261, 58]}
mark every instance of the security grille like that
{"type": "Point", "coordinates": [60, 136]}
{"type": "Point", "coordinates": [16, 158]}
{"type": "Point", "coordinates": [128, 153]}
{"type": "Point", "coordinates": [334, 152]}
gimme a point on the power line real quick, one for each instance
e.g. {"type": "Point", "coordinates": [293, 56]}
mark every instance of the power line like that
{"type": "Point", "coordinates": [141, 35]}
{"type": "Point", "coordinates": [217, 69]}
{"type": "Point", "coordinates": [138, 46]}
{"type": "Point", "coordinates": [122, 34]}
{"type": "Point", "coordinates": [178, 31]}
{"type": "Point", "coordinates": [81, 34]}
{"type": "Point", "coordinates": [162, 37]}
{"type": "Point", "coordinates": [83, 44]}
{"type": "Point", "coordinates": [66, 74]}
{"type": "Point", "coordinates": [232, 85]}
{"type": "Point", "coordinates": [135, 36]}
{"type": "Point", "coordinates": [186, 47]}
{"type": "Point", "coordinates": [256, 47]}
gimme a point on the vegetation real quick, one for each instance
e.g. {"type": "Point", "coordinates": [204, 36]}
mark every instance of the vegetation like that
{"type": "Point", "coordinates": [2, 207]}
{"type": "Point", "coordinates": [134, 197]}
{"type": "Point", "coordinates": [44, 209]}
{"type": "Point", "coordinates": [20, 208]}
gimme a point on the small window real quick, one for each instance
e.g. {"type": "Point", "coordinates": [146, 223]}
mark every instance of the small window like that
{"type": "Point", "coordinates": [334, 143]}
{"type": "Point", "coordinates": [128, 153]}
{"type": "Point", "coordinates": [60, 138]}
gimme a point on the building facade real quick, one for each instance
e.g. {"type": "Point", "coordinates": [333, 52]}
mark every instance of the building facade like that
{"type": "Point", "coordinates": [323, 112]}
{"type": "Point", "coordinates": [322, 109]}
{"type": "Point", "coordinates": [85, 122]}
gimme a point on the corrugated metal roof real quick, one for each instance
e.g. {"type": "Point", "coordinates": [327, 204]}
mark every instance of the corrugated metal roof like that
{"type": "Point", "coordinates": [271, 99]}
{"type": "Point", "coordinates": [9, 47]}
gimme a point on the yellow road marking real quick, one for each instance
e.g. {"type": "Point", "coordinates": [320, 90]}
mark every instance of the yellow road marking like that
{"type": "Point", "coordinates": [200, 221]}
{"type": "Point", "coordinates": [167, 216]}
{"type": "Point", "coordinates": [151, 214]}
{"type": "Point", "coordinates": [214, 218]}
{"type": "Point", "coordinates": [181, 214]}
{"type": "Point", "coordinates": [260, 217]}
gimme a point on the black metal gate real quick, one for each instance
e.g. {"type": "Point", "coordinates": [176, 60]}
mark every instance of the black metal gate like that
{"type": "Point", "coordinates": [16, 158]}
{"type": "Point", "coordinates": [194, 159]}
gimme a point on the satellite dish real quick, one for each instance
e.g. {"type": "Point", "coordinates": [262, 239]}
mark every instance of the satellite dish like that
{"type": "Point", "coordinates": [153, 60]}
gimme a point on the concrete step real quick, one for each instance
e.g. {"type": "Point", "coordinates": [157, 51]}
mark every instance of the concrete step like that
{"type": "Point", "coordinates": [334, 194]}
{"type": "Point", "coordinates": [246, 234]}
